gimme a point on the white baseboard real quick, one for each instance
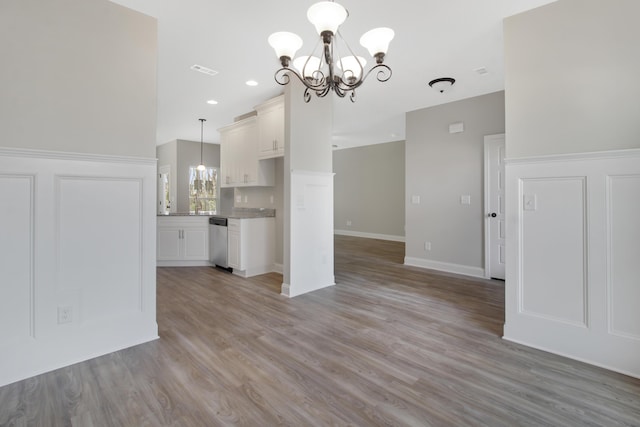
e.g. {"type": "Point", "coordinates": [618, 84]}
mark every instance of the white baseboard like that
{"type": "Point", "coordinates": [183, 264]}
{"type": "Point", "coordinates": [389, 237]}
{"type": "Point", "coordinates": [278, 268]}
{"type": "Point", "coordinates": [445, 266]}
{"type": "Point", "coordinates": [286, 290]}
{"type": "Point", "coordinates": [572, 356]}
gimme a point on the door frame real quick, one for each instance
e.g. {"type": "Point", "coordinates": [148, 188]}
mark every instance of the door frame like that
{"type": "Point", "coordinates": [487, 260]}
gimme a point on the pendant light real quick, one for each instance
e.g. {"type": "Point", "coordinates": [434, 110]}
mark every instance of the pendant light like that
{"type": "Point", "coordinates": [201, 167]}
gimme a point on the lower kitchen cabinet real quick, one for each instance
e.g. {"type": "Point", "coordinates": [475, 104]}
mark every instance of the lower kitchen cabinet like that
{"type": "Point", "coordinates": [182, 241]}
{"type": "Point", "coordinates": [251, 245]}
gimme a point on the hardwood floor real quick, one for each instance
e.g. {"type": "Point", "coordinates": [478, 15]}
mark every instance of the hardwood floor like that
{"type": "Point", "coordinates": [388, 345]}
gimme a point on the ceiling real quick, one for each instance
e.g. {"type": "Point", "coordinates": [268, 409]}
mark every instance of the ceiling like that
{"type": "Point", "coordinates": [433, 38]}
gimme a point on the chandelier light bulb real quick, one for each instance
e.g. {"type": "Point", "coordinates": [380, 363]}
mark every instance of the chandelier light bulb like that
{"type": "Point", "coordinates": [327, 16]}
{"type": "Point", "coordinates": [377, 41]}
{"type": "Point", "coordinates": [285, 44]}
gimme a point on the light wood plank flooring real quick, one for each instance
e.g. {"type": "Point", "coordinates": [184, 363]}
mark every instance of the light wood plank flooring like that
{"type": "Point", "coordinates": [389, 345]}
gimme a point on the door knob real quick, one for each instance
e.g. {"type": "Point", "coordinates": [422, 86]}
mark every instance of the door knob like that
{"type": "Point", "coordinates": [493, 214]}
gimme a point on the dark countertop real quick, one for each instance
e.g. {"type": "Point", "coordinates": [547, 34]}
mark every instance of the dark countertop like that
{"type": "Point", "coordinates": [235, 213]}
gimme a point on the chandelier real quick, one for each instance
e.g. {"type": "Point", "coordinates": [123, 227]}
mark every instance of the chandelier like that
{"type": "Point", "coordinates": [326, 68]}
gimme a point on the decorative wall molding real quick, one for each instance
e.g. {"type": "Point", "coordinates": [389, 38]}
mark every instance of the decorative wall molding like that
{"type": "Point", "coordinates": [63, 155]}
{"type": "Point", "coordinates": [378, 236]}
{"type": "Point", "coordinates": [93, 219]}
{"type": "Point", "coordinates": [595, 155]}
{"type": "Point", "coordinates": [447, 267]}
{"type": "Point", "coordinates": [579, 257]}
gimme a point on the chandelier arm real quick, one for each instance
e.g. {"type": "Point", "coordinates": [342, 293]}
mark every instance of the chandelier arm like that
{"type": "Point", "coordinates": [352, 96]}
{"type": "Point", "coordinates": [383, 74]}
{"type": "Point", "coordinates": [283, 77]}
{"type": "Point", "coordinates": [352, 54]}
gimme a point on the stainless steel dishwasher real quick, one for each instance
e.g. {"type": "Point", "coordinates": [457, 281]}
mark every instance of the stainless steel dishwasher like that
{"type": "Point", "coordinates": [218, 236]}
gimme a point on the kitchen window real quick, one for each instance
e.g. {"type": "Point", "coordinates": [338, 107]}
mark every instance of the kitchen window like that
{"type": "Point", "coordinates": [203, 190]}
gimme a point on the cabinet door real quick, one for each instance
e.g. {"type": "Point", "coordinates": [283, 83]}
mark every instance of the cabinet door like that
{"type": "Point", "coordinates": [233, 252]}
{"type": "Point", "coordinates": [168, 244]}
{"type": "Point", "coordinates": [248, 146]}
{"type": "Point", "coordinates": [271, 131]}
{"type": "Point", "coordinates": [196, 247]}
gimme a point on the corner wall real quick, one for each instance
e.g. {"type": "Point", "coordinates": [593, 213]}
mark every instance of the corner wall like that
{"type": "Point", "coordinates": [440, 168]}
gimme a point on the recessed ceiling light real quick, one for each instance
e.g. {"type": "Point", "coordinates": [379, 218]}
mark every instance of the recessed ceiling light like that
{"type": "Point", "coordinates": [252, 83]}
{"type": "Point", "coordinates": [204, 70]}
{"type": "Point", "coordinates": [212, 102]}
{"type": "Point", "coordinates": [482, 71]}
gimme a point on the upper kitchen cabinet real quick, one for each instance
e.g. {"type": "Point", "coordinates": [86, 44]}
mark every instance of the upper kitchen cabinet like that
{"type": "Point", "coordinates": [271, 128]}
{"type": "Point", "coordinates": [240, 165]}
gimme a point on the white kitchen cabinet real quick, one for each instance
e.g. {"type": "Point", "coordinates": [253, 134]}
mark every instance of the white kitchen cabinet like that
{"type": "Point", "coordinates": [239, 162]}
{"type": "Point", "coordinates": [251, 245]}
{"type": "Point", "coordinates": [182, 241]}
{"type": "Point", "coordinates": [271, 128]}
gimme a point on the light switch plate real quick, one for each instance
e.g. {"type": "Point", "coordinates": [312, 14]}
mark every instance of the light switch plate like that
{"type": "Point", "coordinates": [465, 199]}
{"type": "Point", "coordinates": [415, 200]}
{"type": "Point", "coordinates": [529, 202]}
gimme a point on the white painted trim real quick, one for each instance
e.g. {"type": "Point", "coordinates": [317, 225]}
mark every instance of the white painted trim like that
{"type": "Point", "coordinates": [277, 268]}
{"type": "Point", "coordinates": [465, 270]}
{"type": "Point", "coordinates": [183, 263]}
{"type": "Point", "coordinates": [62, 155]}
{"type": "Point", "coordinates": [596, 155]}
{"type": "Point", "coordinates": [286, 290]}
{"type": "Point", "coordinates": [572, 356]}
{"type": "Point", "coordinates": [255, 271]}
{"type": "Point", "coordinates": [310, 173]}
{"type": "Point", "coordinates": [388, 237]}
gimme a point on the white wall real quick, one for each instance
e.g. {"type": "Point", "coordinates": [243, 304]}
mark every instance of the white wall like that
{"type": "Point", "coordinates": [440, 168]}
{"type": "Point", "coordinates": [572, 147]}
{"type": "Point", "coordinates": [369, 191]}
{"type": "Point", "coordinates": [308, 193]}
{"type": "Point", "coordinates": [78, 230]}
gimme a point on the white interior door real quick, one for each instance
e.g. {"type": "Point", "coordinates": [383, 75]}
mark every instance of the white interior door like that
{"type": "Point", "coordinates": [494, 151]}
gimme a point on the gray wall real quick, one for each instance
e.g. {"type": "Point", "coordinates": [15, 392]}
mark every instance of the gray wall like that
{"type": "Point", "coordinates": [77, 76]}
{"type": "Point", "coordinates": [180, 155]}
{"type": "Point", "coordinates": [440, 167]}
{"type": "Point", "coordinates": [572, 83]}
{"type": "Point", "coordinates": [369, 189]}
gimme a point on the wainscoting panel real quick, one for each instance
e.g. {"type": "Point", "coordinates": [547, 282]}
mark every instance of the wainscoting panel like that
{"type": "Point", "coordinates": [554, 249]}
{"type": "Point", "coordinates": [623, 284]}
{"type": "Point", "coordinates": [77, 258]}
{"type": "Point", "coordinates": [312, 225]}
{"type": "Point", "coordinates": [98, 219]}
{"type": "Point", "coordinates": [16, 257]}
{"type": "Point", "coordinates": [573, 256]}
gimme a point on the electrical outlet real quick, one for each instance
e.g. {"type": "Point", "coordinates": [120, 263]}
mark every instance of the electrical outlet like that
{"type": "Point", "coordinates": [348, 223]}
{"type": "Point", "coordinates": [427, 246]}
{"type": "Point", "coordinates": [65, 314]}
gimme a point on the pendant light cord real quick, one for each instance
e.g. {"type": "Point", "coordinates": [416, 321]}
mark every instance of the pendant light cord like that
{"type": "Point", "coordinates": [201, 138]}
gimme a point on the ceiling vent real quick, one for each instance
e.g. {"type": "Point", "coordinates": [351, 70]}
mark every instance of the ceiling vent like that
{"type": "Point", "coordinates": [204, 70]}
